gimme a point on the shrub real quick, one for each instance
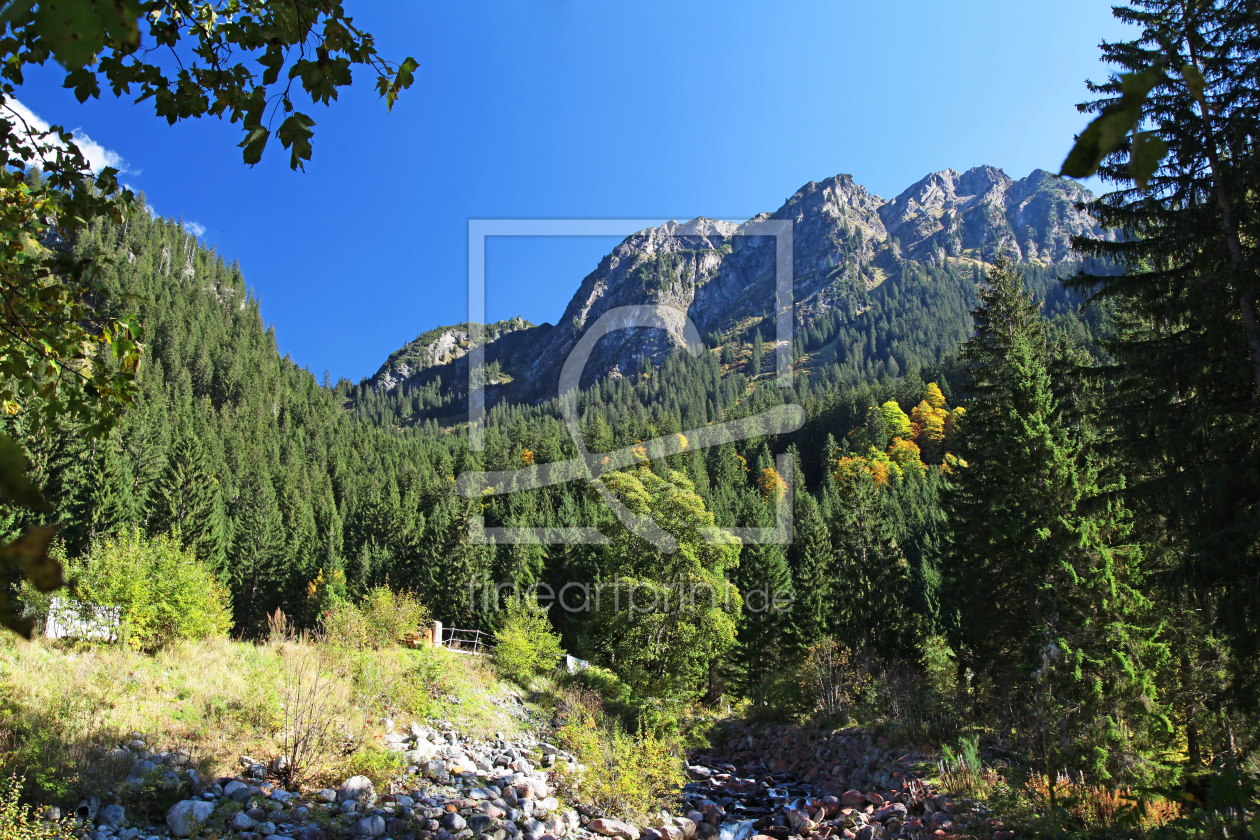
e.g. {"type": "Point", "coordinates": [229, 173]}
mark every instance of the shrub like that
{"type": "Point", "coordinates": [962, 771]}
{"type": "Point", "coordinates": [379, 621]}
{"type": "Point", "coordinates": [378, 765]}
{"type": "Point", "coordinates": [314, 703]}
{"type": "Point", "coordinates": [17, 822]}
{"type": "Point", "coordinates": [630, 777]}
{"type": "Point", "coordinates": [833, 679]}
{"type": "Point", "coordinates": [940, 667]}
{"type": "Point", "coordinates": [526, 645]}
{"type": "Point", "coordinates": [162, 591]}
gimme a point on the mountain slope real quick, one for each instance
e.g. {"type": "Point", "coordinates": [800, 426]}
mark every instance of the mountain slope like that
{"type": "Point", "coordinates": [877, 285]}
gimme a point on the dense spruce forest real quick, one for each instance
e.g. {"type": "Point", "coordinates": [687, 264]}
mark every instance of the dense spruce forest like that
{"type": "Point", "coordinates": [270, 479]}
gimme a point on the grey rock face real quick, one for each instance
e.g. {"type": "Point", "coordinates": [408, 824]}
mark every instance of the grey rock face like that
{"type": "Point", "coordinates": [845, 239]}
{"type": "Point", "coordinates": [983, 210]}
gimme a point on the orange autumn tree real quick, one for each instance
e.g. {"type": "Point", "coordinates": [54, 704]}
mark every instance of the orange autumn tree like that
{"type": "Point", "coordinates": [918, 439]}
{"type": "Point", "coordinates": [772, 484]}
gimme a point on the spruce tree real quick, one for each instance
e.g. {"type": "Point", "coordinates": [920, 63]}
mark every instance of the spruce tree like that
{"type": "Point", "coordinates": [813, 572]}
{"type": "Point", "coordinates": [764, 582]}
{"type": "Point", "coordinates": [185, 498]}
{"type": "Point", "coordinates": [1045, 585]}
{"type": "Point", "coordinates": [1185, 333]}
{"type": "Point", "coordinates": [256, 572]}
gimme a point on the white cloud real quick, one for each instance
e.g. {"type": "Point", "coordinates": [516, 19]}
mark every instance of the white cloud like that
{"type": "Point", "coordinates": [195, 229]}
{"type": "Point", "coordinates": [98, 156]}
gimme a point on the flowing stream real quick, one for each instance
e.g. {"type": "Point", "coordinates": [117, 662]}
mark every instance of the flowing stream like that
{"type": "Point", "coordinates": [737, 830]}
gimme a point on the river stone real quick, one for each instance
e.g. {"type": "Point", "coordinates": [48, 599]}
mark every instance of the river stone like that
{"type": "Point", "coordinates": [358, 789]}
{"type": "Point", "coordinates": [184, 816]}
{"type": "Point", "coordinates": [242, 822]}
{"type": "Point", "coordinates": [893, 809]}
{"type": "Point", "coordinates": [614, 828]}
{"type": "Point", "coordinates": [852, 799]}
{"type": "Point", "coordinates": [373, 826]}
{"type": "Point", "coordinates": [112, 815]}
{"type": "Point", "coordinates": [236, 791]}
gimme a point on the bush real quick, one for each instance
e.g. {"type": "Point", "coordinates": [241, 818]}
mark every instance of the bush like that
{"type": "Point", "coordinates": [526, 645]}
{"type": "Point", "coordinates": [314, 704]}
{"type": "Point", "coordinates": [630, 777]}
{"type": "Point", "coordinates": [833, 680]}
{"type": "Point", "coordinates": [163, 593]}
{"type": "Point", "coordinates": [17, 822]}
{"type": "Point", "coordinates": [378, 765]}
{"type": "Point", "coordinates": [379, 621]}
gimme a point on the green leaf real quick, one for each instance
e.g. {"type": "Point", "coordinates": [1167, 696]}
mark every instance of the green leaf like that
{"type": "Point", "coordinates": [84, 83]}
{"type": "Point", "coordinates": [295, 132]}
{"type": "Point", "coordinates": [119, 17]}
{"type": "Point", "coordinates": [1194, 79]}
{"type": "Point", "coordinates": [29, 552]}
{"type": "Point", "coordinates": [402, 80]}
{"type": "Point", "coordinates": [11, 619]}
{"type": "Point", "coordinates": [15, 10]}
{"type": "Point", "coordinates": [72, 29]}
{"type": "Point", "coordinates": [273, 60]}
{"type": "Point", "coordinates": [254, 143]}
{"type": "Point", "coordinates": [1147, 151]}
{"type": "Point", "coordinates": [16, 488]}
{"type": "Point", "coordinates": [1107, 131]}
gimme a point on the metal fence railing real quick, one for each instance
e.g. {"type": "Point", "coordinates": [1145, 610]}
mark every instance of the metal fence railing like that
{"type": "Point", "coordinates": [475, 642]}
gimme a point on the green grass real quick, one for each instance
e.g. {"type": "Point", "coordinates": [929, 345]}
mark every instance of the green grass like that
{"type": "Point", "coordinates": [63, 705]}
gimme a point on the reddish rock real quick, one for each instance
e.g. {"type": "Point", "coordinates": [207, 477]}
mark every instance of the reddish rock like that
{"type": "Point", "coordinates": [852, 799]}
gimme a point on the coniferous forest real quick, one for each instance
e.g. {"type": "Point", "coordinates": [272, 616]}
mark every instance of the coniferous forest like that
{"type": "Point", "coordinates": [1023, 500]}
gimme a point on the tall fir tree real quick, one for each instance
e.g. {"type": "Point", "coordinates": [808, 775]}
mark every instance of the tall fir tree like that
{"type": "Point", "coordinates": [185, 498]}
{"type": "Point", "coordinates": [1050, 613]}
{"type": "Point", "coordinates": [1185, 331]}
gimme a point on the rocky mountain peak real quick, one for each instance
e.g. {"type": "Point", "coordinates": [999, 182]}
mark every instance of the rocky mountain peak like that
{"type": "Point", "coordinates": [438, 346]}
{"type": "Point", "coordinates": [847, 242]}
{"type": "Point", "coordinates": [982, 212]}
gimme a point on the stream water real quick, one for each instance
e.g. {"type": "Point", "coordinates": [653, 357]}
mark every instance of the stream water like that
{"type": "Point", "coordinates": [748, 803]}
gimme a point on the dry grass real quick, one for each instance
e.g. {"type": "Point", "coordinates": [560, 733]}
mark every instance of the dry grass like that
{"type": "Point", "coordinates": [1096, 807]}
{"type": "Point", "coordinates": [63, 706]}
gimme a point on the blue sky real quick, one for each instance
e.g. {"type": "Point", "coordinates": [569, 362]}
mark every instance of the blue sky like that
{"type": "Point", "coordinates": [563, 109]}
